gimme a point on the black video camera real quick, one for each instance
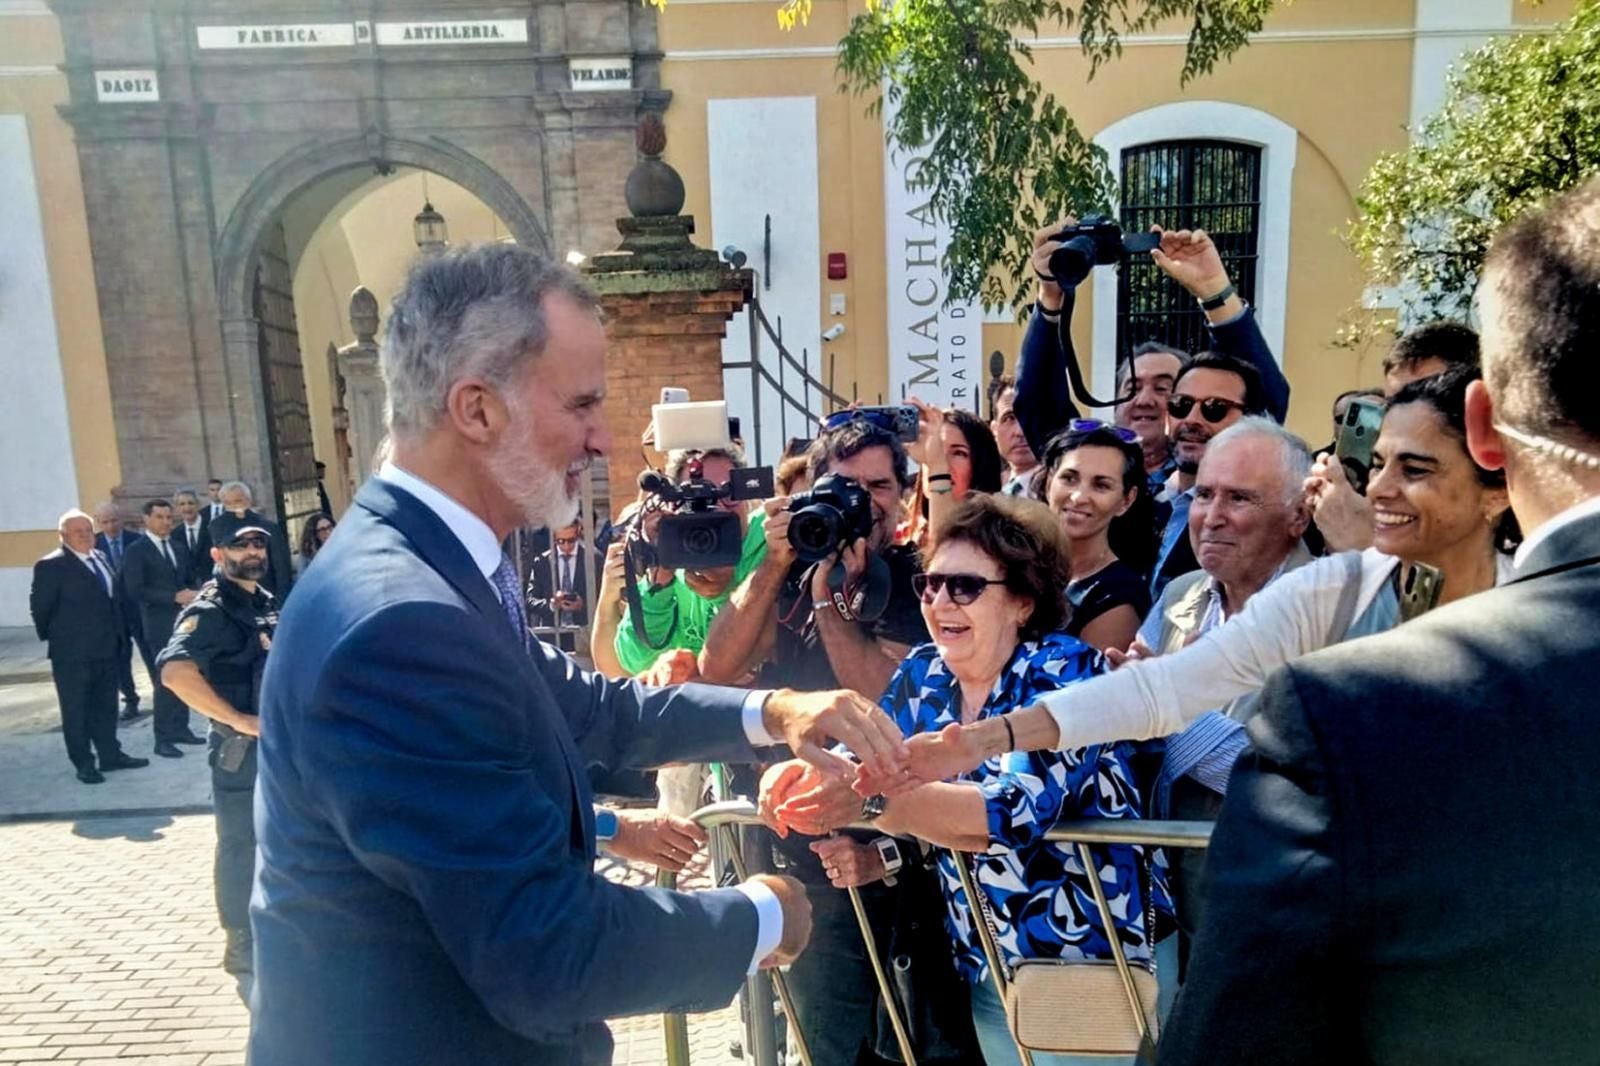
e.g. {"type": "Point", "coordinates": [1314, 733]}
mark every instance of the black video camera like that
{"type": "Point", "coordinates": [1095, 241]}
{"type": "Point", "coordinates": [695, 537]}
{"type": "Point", "coordinates": [833, 514]}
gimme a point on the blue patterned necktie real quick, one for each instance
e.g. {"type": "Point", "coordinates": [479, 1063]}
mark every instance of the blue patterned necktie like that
{"type": "Point", "coordinates": [505, 581]}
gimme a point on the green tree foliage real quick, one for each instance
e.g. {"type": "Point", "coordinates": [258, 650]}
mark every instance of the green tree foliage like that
{"type": "Point", "coordinates": [1521, 121]}
{"type": "Point", "coordinates": [1003, 156]}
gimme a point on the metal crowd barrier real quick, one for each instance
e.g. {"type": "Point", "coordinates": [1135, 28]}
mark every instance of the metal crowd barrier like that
{"type": "Point", "coordinates": [729, 816]}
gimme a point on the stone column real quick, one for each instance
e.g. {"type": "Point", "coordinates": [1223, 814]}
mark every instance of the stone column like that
{"type": "Point", "coordinates": [667, 304]}
{"type": "Point", "coordinates": [363, 386]}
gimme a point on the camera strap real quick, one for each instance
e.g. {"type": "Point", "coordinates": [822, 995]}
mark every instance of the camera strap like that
{"type": "Point", "coordinates": [865, 599]}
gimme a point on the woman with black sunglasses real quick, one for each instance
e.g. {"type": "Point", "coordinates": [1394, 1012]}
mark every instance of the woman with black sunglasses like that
{"type": "Point", "coordinates": [992, 599]}
{"type": "Point", "coordinates": [1096, 486]}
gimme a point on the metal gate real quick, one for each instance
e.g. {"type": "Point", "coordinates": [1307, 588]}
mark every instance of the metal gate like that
{"type": "Point", "coordinates": [294, 471]}
{"type": "Point", "coordinates": [784, 399]}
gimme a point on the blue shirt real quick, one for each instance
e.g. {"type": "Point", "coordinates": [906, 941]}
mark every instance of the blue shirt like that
{"type": "Point", "coordinates": [1177, 526]}
{"type": "Point", "coordinates": [1038, 891]}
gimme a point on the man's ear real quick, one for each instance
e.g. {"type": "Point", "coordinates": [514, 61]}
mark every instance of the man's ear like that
{"type": "Point", "coordinates": [476, 411]}
{"type": "Point", "coordinates": [1484, 442]}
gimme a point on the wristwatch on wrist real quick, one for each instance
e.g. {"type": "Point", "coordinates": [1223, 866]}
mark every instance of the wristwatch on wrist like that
{"type": "Point", "coordinates": [605, 824]}
{"type": "Point", "coordinates": [873, 806]}
{"type": "Point", "coordinates": [889, 852]}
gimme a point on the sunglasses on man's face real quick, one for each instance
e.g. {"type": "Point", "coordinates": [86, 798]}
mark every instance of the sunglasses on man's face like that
{"type": "Point", "coordinates": [1213, 408]}
{"type": "Point", "coordinates": [1089, 425]}
{"type": "Point", "coordinates": [249, 542]}
{"type": "Point", "coordinates": [963, 588]}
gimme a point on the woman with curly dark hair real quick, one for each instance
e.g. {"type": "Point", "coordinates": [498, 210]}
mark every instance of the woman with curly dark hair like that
{"type": "Point", "coordinates": [313, 535]}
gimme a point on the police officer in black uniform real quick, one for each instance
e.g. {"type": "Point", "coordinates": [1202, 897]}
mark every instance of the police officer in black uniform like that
{"type": "Point", "coordinates": [214, 664]}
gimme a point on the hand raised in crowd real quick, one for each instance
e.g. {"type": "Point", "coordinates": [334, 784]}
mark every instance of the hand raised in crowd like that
{"type": "Point", "coordinates": [797, 797]}
{"type": "Point", "coordinates": [656, 837]}
{"type": "Point", "coordinates": [930, 757]}
{"type": "Point", "coordinates": [929, 445]}
{"type": "Point", "coordinates": [796, 919]}
{"type": "Point", "coordinates": [673, 667]}
{"type": "Point", "coordinates": [1343, 515]}
{"type": "Point", "coordinates": [807, 721]}
{"type": "Point", "coordinates": [1049, 295]}
{"type": "Point", "coordinates": [847, 863]}
{"type": "Point", "coordinates": [1190, 258]}
{"type": "Point", "coordinates": [776, 529]}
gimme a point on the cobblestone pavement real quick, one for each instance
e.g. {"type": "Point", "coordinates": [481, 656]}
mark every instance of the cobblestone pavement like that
{"type": "Point", "coordinates": [109, 950]}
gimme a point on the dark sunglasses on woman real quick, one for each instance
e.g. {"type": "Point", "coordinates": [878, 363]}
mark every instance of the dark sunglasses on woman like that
{"type": "Point", "coordinates": [1213, 408]}
{"type": "Point", "coordinates": [964, 588]}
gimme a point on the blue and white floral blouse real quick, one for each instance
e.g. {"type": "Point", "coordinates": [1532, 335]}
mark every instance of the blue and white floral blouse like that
{"type": "Point", "coordinates": [1037, 891]}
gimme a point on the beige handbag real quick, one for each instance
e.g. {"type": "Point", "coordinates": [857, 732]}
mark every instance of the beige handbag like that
{"type": "Point", "coordinates": [1077, 1006]}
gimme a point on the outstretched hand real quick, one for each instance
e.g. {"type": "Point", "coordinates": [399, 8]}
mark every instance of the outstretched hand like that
{"type": "Point", "coordinates": [931, 757]}
{"type": "Point", "coordinates": [808, 721]}
{"type": "Point", "coordinates": [796, 796]}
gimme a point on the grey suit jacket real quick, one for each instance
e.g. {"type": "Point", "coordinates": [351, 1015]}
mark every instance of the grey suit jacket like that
{"type": "Point", "coordinates": [1405, 867]}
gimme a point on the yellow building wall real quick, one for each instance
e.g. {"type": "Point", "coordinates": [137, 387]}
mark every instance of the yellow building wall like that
{"type": "Point", "coordinates": [30, 50]}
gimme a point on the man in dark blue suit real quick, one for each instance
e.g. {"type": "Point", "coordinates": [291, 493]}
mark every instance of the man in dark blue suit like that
{"type": "Point", "coordinates": [1403, 869]}
{"type": "Point", "coordinates": [425, 889]}
{"type": "Point", "coordinates": [112, 542]}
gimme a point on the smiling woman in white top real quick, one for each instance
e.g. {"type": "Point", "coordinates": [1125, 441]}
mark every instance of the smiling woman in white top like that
{"type": "Point", "coordinates": [1431, 505]}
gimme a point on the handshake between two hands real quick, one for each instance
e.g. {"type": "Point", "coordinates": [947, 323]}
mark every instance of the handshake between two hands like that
{"type": "Point", "coordinates": [821, 790]}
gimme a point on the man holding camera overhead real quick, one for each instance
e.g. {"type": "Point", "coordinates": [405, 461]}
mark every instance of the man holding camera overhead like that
{"type": "Point", "coordinates": [831, 606]}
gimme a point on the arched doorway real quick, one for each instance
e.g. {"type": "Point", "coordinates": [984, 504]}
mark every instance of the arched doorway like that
{"type": "Point", "coordinates": [185, 186]}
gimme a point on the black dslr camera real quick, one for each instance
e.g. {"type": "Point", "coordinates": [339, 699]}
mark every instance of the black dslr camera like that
{"type": "Point", "coordinates": [696, 537]}
{"type": "Point", "coordinates": [833, 514]}
{"type": "Point", "coordinates": [1095, 241]}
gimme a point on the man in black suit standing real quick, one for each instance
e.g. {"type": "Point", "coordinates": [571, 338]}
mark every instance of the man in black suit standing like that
{"type": "Point", "coordinates": [238, 513]}
{"type": "Point", "coordinates": [189, 526]}
{"type": "Point", "coordinates": [1403, 870]}
{"type": "Point", "coordinates": [557, 584]}
{"type": "Point", "coordinates": [76, 609]}
{"type": "Point", "coordinates": [155, 574]}
{"type": "Point", "coordinates": [112, 543]}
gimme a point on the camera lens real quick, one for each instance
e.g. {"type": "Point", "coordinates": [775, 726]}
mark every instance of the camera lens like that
{"type": "Point", "coordinates": [1071, 263]}
{"type": "Point", "coordinates": [814, 531]}
{"type": "Point", "coordinates": [699, 540]}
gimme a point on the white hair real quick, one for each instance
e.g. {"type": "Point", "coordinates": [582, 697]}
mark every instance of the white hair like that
{"type": "Point", "coordinates": [476, 311]}
{"type": "Point", "coordinates": [237, 486]}
{"type": "Point", "coordinates": [1294, 457]}
{"type": "Point", "coordinates": [69, 515]}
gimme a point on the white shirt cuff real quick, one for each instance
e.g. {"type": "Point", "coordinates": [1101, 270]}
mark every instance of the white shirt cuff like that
{"type": "Point", "coordinates": [755, 730]}
{"type": "Point", "coordinates": [769, 920]}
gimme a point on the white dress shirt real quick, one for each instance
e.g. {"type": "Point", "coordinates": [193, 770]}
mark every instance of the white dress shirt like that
{"type": "Point", "coordinates": [163, 548]}
{"type": "Point", "coordinates": [484, 547]}
{"type": "Point", "coordinates": [97, 566]}
{"type": "Point", "coordinates": [193, 536]}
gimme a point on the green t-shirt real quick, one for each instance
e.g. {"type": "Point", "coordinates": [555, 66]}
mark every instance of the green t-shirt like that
{"type": "Point", "coordinates": [676, 616]}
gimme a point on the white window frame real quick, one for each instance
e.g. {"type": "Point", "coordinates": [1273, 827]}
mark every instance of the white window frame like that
{"type": "Point", "coordinates": [1211, 120]}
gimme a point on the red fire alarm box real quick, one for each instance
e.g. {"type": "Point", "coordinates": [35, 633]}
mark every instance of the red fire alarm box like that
{"type": "Point", "coordinates": [837, 271]}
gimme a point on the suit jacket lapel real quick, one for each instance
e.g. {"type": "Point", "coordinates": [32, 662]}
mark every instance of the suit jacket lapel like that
{"type": "Point", "coordinates": [435, 543]}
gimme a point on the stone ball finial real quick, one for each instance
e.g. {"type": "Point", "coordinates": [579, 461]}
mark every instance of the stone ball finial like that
{"type": "Point", "coordinates": [364, 314]}
{"type": "Point", "coordinates": [654, 189]}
